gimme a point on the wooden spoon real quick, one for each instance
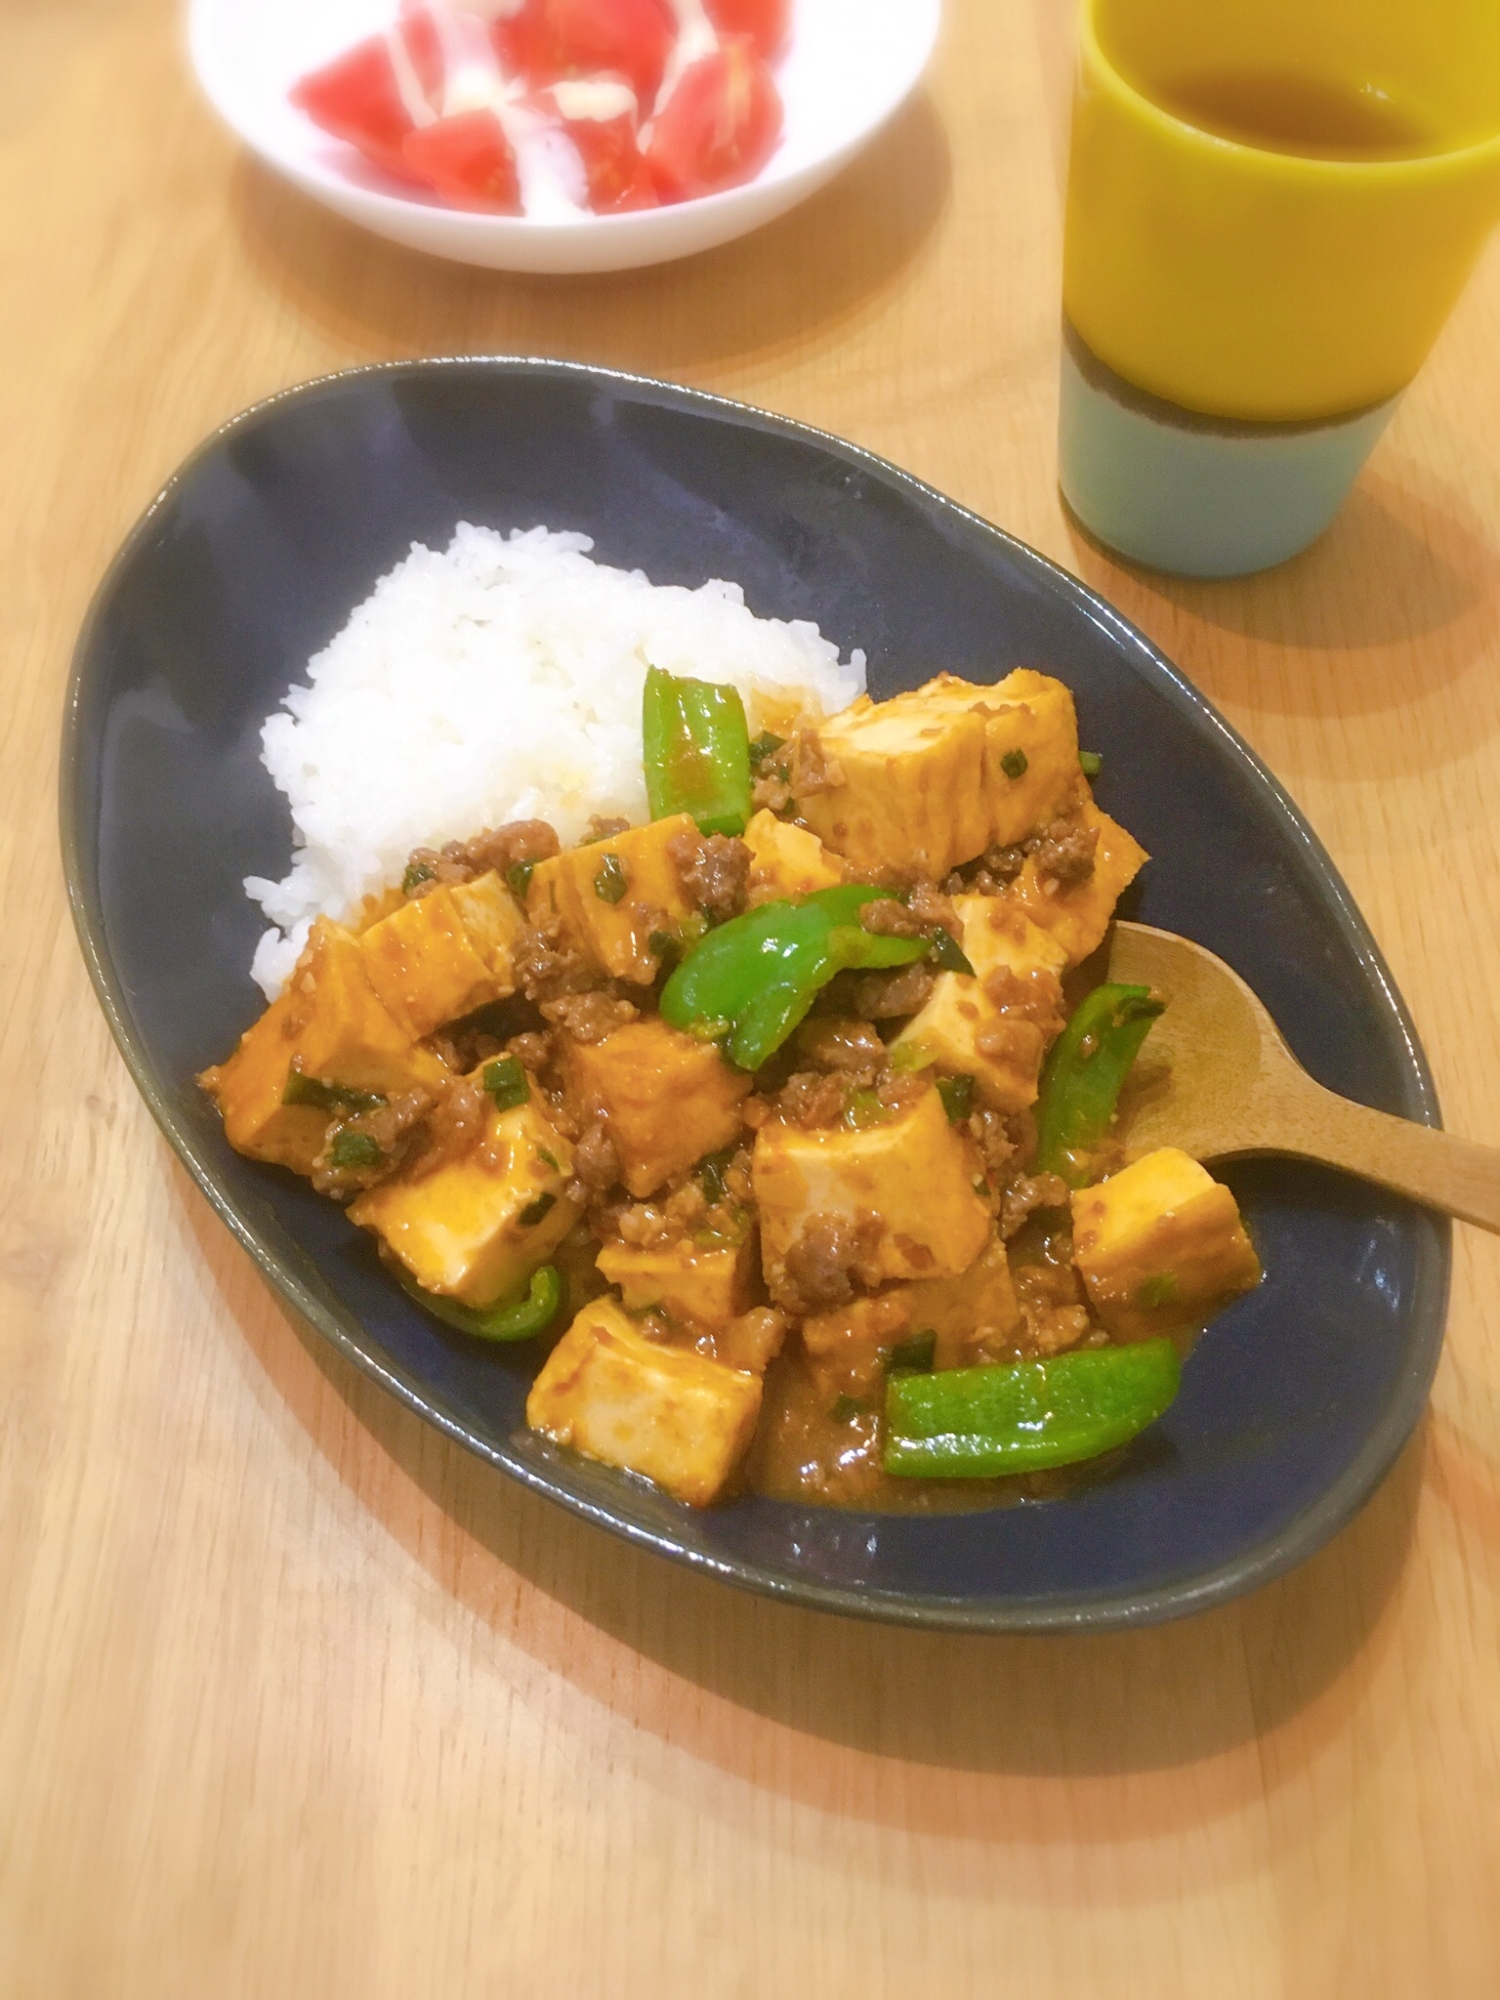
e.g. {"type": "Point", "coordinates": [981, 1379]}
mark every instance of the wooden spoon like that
{"type": "Point", "coordinates": [1216, 1079]}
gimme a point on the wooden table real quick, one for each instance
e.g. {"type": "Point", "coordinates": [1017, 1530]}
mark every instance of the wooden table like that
{"type": "Point", "coordinates": [300, 1700]}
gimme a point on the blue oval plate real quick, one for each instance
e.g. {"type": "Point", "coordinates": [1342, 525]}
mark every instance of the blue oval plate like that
{"type": "Point", "coordinates": [1296, 1401]}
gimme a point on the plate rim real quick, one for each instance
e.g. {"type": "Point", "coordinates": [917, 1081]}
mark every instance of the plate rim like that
{"type": "Point", "coordinates": [289, 1271]}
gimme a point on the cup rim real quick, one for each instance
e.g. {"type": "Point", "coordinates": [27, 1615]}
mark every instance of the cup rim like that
{"type": "Point", "coordinates": [1424, 166]}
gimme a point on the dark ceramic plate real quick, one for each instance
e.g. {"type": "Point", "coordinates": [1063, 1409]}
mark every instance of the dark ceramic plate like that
{"type": "Point", "coordinates": [1296, 1401]}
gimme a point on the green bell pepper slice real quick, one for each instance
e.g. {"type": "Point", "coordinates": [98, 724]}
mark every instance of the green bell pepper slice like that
{"type": "Point", "coordinates": [752, 981]}
{"type": "Point", "coordinates": [977, 1423]}
{"type": "Point", "coordinates": [1084, 1074]}
{"type": "Point", "coordinates": [696, 747]}
{"type": "Point", "coordinates": [507, 1319]}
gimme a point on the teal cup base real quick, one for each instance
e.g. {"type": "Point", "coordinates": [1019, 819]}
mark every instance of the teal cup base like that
{"type": "Point", "coordinates": [1195, 495]}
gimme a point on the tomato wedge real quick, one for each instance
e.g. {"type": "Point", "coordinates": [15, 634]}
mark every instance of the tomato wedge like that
{"type": "Point", "coordinates": [719, 126]}
{"type": "Point", "coordinates": [607, 145]}
{"type": "Point", "coordinates": [548, 39]}
{"type": "Point", "coordinates": [768, 23]}
{"type": "Point", "coordinates": [468, 160]}
{"type": "Point", "coordinates": [357, 98]}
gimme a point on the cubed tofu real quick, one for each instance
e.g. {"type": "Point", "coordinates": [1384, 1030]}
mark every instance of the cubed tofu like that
{"type": "Point", "coordinates": [476, 1227]}
{"type": "Point", "coordinates": [960, 1028]}
{"type": "Point", "coordinates": [848, 1348]}
{"type": "Point", "coordinates": [708, 1286]}
{"type": "Point", "coordinates": [670, 1098]}
{"type": "Point", "coordinates": [667, 1412]}
{"type": "Point", "coordinates": [1078, 917]}
{"type": "Point", "coordinates": [974, 1316]}
{"type": "Point", "coordinates": [911, 791]}
{"type": "Point", "coordinates": [908, 1183]}
{"type": "Point", "coordinates": [445, 953]}
{"type": "Point", "coordinates": [332, 1023]}
{"type": "Point", "coordinates": [787, 861]}
{"type": "Point", "coordinates": [933, 777]}
{"type": "Point", "coordinates": [611, 897]}
{"type": "Point", "coordinates": [1160, 1246]}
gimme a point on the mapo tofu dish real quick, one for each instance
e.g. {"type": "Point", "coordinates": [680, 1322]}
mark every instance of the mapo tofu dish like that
{"type": "Point", "coordinates": [784, 1124]}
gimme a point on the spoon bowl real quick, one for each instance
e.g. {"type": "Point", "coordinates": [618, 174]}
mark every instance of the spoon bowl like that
{"type": "Point", "coordinates": [1216, 1079]}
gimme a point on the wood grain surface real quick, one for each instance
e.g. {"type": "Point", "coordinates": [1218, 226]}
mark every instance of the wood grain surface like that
{"type": "Point", "coordinates": [296, 1698]}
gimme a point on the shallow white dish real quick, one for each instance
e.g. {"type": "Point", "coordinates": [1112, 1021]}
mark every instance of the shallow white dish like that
{"type": "Point", "coordinates": [850, 65]}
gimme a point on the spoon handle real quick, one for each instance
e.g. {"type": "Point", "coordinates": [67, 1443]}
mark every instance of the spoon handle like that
{"type": "Point", "coordinates": [1436, 1168]}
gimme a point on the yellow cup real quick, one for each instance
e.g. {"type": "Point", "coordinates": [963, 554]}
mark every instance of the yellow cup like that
{"type": "Point", "coordinates": [1228, 272]}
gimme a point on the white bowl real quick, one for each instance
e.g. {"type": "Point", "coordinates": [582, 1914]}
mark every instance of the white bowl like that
{"type": "Point", "coordinates": [850, 65]}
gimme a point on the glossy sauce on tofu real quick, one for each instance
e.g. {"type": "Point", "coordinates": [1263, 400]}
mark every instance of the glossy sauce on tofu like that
{"type": "Point", "coordinates": [530, 1059]}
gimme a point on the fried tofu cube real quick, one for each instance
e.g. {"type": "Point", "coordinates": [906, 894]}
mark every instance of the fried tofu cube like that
{"type": "Point", "coordinates": [670, 1098]}
{"type": "Point", "coordinates": [667, 1412]}
{"type": "Point", "coordinates": [911, 790]}
{"type": "Point", "coordinates": [932, 778]}
{"type": "Point", "coordinates": [964, 1029]}
{"type": "Point", "coordinates": [708, 1286]}
{"type": "Point", "coordinates": [1161, 1246]}
{"type": "Point", "coordinates": [476, 1227]}
{"type": "Point", "coordinates": [613, 895]}
{"type": "Point", "coordinates": [904, 1189]}
{"type": "Point", "coordinates": [1030, 753]}
{"type": "Point", "coordinates": [973, 1317]}
{"type": "Point", "coordinates": [445, 953]}
{"type": "Point", "coordinates": [1078, 917]}
{"type": "Point", "coordinates": [331, 1022]}
{"type": "Point", "coordinates": [787, 861]}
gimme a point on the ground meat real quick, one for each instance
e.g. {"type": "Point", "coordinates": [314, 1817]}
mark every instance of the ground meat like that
{"type": "Point", "coordinates": [898, 1089]}
{"type": "Point", "coordinates": [1031, 996]}
{"type": "Point", "coordinates": [925, 910]}
{"type": "Point", "coordinates": [595, 1161]}
{"type": "Point", "coordinates": [532, 1051]}
{"type": "Point", "coordinates": [1064, 853]}
{"type": "Point", "coordinates": [604, 826]}
{"type": "Point", "coordinates": [715, 871]}
{"type": "Point", "coordinates": [547, 966]}
{"type": "Point", "coordinates": [389, 1125]}
{"type": "Point", "coordinates": [891, 996]}
{"type": "Point", "coordinates": [771, 792]}
{"type": "Point", "coordinates": [824, 1263]}
{"type": "Point", "coordinates": [640, 1224]}
{"type": "Point", "coordinates": [1027, 1193]}
{"type": "Point", "coordinates": [589, 1017]}
{"type": "Point", "coordinates": [837, 1042]}
{"type": "Point", "coordinates": [991, 1133]}
{"type": "Point", "coordinates": [808, 770]}
{"type": "Point", "coordinates": [1050, 1296]}
{"type": "Point", "coordinates": [454, 1127]}
{"type": "Point", "coordinates": [813, 1099]}
{"type": "Point", "coordinates": [502, 848]}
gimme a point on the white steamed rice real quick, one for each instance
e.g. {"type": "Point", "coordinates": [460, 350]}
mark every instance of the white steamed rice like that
{"type": "Point", "coordinates": [498, 680]}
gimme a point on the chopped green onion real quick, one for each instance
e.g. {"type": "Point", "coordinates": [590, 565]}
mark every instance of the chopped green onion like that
{"type": "Point", "coordinates": [536, 1210]}
{"type": "Point", "coordinates": [1015, 763]}
{"type": "Point", "coordinates": [957, 1093]}
{"type": "Point", "coordinates": [320, 1096]}
{"type": "Point", "coordinates": [611, 882]}
{"type": "Point", "coordinates": [1160, 1290]}
{"type": "Point", "coordinates": [354, 1150]}
{"type": "Point", "coordinates": [1090, 763]}
{"type": "Point", "coordinates": [519, 877]}
{"type": "Point", "coordinates": [418, 873]}
{"type": "Point", "coordinates": [711, 1176]}
{"type": "Point", "coordinates": [507, 1082]}
{"type": "Point", "coordinates": [765, 745]}
{"type": "Point", "coordinates": [916, 1351]}
{"type": "Point", "coordinates": [949, 953]}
